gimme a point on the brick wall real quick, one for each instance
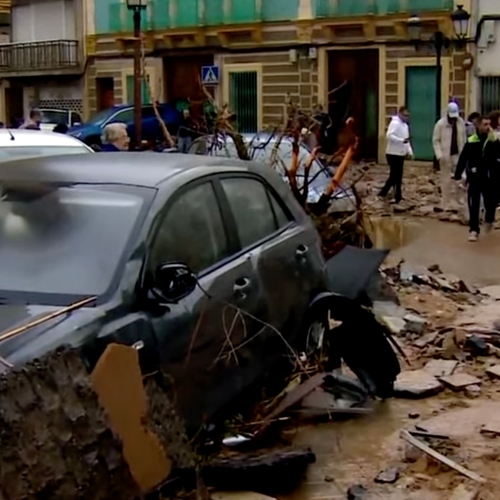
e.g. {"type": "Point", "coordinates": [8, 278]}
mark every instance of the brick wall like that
{"type": "Point", "coordinates": [280, 78]}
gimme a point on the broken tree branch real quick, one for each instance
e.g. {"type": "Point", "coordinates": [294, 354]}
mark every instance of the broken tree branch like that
{"type": "Point", "coordinates": [441, 458]}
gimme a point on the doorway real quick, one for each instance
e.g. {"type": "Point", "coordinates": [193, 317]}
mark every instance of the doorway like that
{"type": "Point", "coordinates": [14, 99]}
{"type": "Point", "coordinates": [105, 93]}
{"type": "Point", "coordinates": [361, 69]}
{"type": "Point", "coordinates": [183, 75]}
{"type": "Point", "coordinates": [420, 100]}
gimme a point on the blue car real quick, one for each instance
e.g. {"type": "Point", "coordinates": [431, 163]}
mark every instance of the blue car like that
{"type": "Point", "coordinates": [90, 132]}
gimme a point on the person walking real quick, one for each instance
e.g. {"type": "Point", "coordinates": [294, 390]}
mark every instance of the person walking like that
{"type": "Point", "coordinates": [34, 120]}
{"type": "Point", "coordinates": [398, 149]}
{"type": "Point", "coordinates": [186, 132]}
{"type": "Point", "coordinates": [449, 138]}
{"type": "Point", "coordinates": [472, 123]}
{"type": "Point", "coordinates": [479, 160]}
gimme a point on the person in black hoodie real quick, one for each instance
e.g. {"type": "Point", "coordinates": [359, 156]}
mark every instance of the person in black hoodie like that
{"type": "Point", "coordinates": [480, 160]}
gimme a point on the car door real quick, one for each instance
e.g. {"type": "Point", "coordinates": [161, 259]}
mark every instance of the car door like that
{"type": "Point", "coordinates": [285, 253]}
{"type": "Point", "coordinates": [197, 337]}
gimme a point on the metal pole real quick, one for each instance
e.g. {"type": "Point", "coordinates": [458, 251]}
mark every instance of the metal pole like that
{"type": "Point", "coordinates": [137, 79]}
{"type": "Point", "coordinates": [438, 42]}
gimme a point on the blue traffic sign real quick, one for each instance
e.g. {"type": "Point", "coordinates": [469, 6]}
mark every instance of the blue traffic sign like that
{"type": "Point", "coordinates": [210, 75]}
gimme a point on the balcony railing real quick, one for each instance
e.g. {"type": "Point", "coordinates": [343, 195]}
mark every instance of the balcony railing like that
{"type": "Point", "coordinates": [164, 14]}
{"type": "Point", "coordinates": [39, 56]}
{"type": "Point", "coordinates": [329, 8]}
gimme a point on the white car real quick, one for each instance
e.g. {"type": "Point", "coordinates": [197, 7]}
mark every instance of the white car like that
{"type": "Point", "coordinates": [20, 143]}
{"type": "Point", "coordinates": [53, 117]}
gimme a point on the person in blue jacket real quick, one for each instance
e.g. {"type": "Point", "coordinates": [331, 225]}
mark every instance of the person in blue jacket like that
{"type": "Point", "coordinates": [115, 138]}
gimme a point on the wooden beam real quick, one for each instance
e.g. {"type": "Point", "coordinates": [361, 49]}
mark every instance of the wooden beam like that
{"type": "Point", "coordinates": [257, 35]}
{"type": "Point", "coordinates": [329, 33]}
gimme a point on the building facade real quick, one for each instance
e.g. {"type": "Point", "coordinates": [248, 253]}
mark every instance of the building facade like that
{"type": "Point", "coordinates": [267, 50]}
{"type": "Point", "coordinates": [486, 89]}
{"type": "Point", "coordinates": [43, 62]}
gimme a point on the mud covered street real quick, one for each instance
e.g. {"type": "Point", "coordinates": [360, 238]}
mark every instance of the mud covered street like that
{"type": "Point", "coordinates": [355, 451]}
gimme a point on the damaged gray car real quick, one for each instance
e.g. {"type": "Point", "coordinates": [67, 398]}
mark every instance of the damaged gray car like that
{"type": "Point", "coordinates": [207, 266]}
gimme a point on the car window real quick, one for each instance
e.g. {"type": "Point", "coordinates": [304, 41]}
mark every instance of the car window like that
{"type": "Point", "coordinates": [55, 116]}
{"type": "Point", "coordinates": [282, 218]}
{"type": "Point", "coordinates": [75, 118]}
{"type": "Point", "coordinates": [125, 116]}
{"type": "Point", "coordinates": [192, 231]}
{"type": "Point", "coordinates": [252, 209]}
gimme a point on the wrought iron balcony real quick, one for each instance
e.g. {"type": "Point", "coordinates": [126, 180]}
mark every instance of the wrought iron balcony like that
{"type": "Point", "coordinates": [40, 57]}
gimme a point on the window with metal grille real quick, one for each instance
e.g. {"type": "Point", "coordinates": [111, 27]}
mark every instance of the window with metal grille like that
{"type": "Point", "coordinates": [490, 94]}
{"type": "Point", "coordinates": [243, 100]}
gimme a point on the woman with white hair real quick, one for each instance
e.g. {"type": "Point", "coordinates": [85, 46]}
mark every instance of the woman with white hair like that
{"type": "Point", "coordinates": [115, 138]}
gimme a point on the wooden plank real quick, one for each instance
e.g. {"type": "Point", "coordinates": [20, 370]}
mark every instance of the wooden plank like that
{"type": "Point", "coordinates": [441, 458]}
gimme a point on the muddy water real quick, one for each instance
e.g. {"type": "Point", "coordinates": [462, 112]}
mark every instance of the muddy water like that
{"type": "Point", "coordinates": [356, 450]}
{"type": "Point", "coordinates": [426, 241]}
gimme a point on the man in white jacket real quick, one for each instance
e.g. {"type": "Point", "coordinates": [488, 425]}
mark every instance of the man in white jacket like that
{"type": "Point", "coordinates": [398, 148]}
{"type": "Point", "coordinates": [450, 136]}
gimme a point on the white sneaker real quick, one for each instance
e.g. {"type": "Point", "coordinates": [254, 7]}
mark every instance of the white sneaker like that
{"type": "Point", "coordinates": [473, 237]}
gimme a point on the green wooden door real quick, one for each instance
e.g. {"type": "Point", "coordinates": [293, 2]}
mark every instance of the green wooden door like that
{"type": "Point", "coordinates": [421, 99]}
{"type": "Point", "coordinates": [146, 98]}
{"type": "Point", "coordinates": [243, 100]}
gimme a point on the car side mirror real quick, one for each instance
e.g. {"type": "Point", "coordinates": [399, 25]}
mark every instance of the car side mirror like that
{"type": "Point", "coordinates": [173, 282]}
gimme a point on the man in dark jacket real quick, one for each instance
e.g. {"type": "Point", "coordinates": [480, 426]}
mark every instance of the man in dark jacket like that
{"type": "Point", "coordinates": [480, 160]}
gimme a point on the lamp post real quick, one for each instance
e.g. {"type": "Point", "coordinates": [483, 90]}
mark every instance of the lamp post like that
{"type": "Point", "coordinates": [439, 41]}
{"type": "Point", "coordinates": [137, 6]}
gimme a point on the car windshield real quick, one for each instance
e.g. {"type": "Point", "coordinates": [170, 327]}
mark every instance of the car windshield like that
{"type": "Point", "coordinates": [8, 153]}
{"type": "Point", "coordinates": [100, 117]}
{"type": "Point", "coordinates": [57, 117]}
{"type": "Point", "coordinates": [63, 241]}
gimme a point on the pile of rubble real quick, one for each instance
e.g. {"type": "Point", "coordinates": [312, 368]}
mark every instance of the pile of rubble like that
{"type": "Point", "coordinates": [421, 192]}
{"type": "Point", "coordinates": [450, 334]}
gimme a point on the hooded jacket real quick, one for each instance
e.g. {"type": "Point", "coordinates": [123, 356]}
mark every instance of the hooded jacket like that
{"type": "Point", "coordinates": [443, 132]}
{"type": "Point", "coordinates": [397, 133]}
{"type": "Point", "coordinates": [480, 159]}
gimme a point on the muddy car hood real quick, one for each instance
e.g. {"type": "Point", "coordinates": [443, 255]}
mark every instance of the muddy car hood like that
{"type": "Point", "coordinates": [36, 341]}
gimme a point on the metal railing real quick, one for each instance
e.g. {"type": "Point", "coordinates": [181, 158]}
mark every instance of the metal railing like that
{"type": "Point", "coordinates": [39, 56]}
{"type": "Point", "coordinates": [164, 14]}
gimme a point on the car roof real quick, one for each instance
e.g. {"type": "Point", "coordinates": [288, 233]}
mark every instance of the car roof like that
{"type": "Point", "coordinates": [26, 137]}
{"type": "Point", "coordinates": [135, 169]}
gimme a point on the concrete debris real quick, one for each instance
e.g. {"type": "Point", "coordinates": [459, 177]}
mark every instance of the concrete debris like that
{"type": "Point", "coordinates": [463, 492]}
{"type": "Point", "coordinates": [357, 492]}
{"type": "Point", "coordinates": [415, 324]}
{"type": "Point", "coordinates": [434, 268]}
{"type": "Point", "coordinates": [494, 371]}
{"type": "Point", "coordinates": [476, 346]}
{"type": "Point", "coordinates": [473, 391]}
{"type": "Point", "coordinates": [441, 367]}
{"type": "Point", "coordinates": [491, 428]}
{"type": "Point", "coordinates": [426, 340]}
{"type": "Point", "coordinates": [395, 325]}
{"type": "Point", "coordinates": [389, 476]}
{"type": "Point", "coordinates": [460, 381]}
{"type": "Point", "coordinates": [416, 384]}
{"type": "Point", "coordinates": [386, 308]}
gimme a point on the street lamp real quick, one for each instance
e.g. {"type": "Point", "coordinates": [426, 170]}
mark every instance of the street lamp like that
{"type": "Point", "coordinates": [439, 41]}
{"type": "Point", "coordinates": [137, 6]}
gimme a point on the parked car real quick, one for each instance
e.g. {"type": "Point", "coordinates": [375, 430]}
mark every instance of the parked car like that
{"type": "Point", "coordinates": [90, 132]}
{"type": "Point", "coordinates": [52, 117]}
{"type": "Point", "coordinates": [172, 251]}
{"type": "Point", "coordinates": [261, 148]}
{"type": "Point", "coordinates": [21, 143]}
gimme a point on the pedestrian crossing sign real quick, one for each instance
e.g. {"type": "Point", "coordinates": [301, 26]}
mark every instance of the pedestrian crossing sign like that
{"type": "Point", "coordinates": [210, 75]}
